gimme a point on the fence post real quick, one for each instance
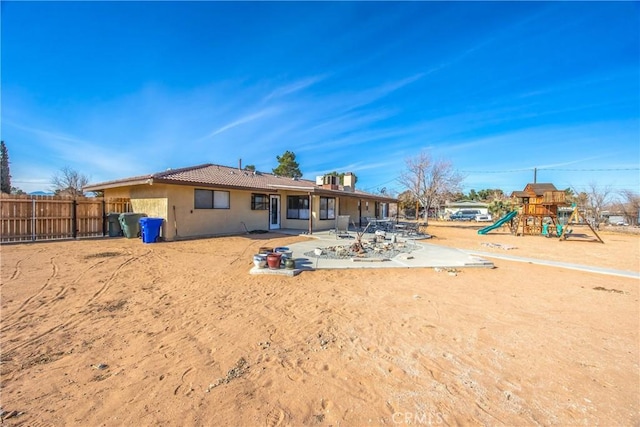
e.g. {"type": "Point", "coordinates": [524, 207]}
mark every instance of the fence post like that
{"type": "Point", "coordinates": [74, 219]}
{"type": "Point", "coordinates": [104, 218]}
{"type": "Point", "coordinates": [33, 219]}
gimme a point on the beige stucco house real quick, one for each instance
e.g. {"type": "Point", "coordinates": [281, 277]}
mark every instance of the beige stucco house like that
{"type": "Point", "coordinates": [210, 200]}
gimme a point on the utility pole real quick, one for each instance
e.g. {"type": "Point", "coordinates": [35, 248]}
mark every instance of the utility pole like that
{"type": "Point", "coordinates": [535, 175]}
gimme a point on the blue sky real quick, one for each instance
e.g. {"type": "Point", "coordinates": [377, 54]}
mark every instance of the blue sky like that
{"type": "Point", "coordinates": [117, 89]}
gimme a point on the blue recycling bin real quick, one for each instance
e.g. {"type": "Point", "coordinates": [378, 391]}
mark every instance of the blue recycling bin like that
{"type": "Point", "coordinates": [150, 229]}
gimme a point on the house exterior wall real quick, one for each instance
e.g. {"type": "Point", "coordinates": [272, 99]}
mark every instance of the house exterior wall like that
{"type": "Point", "coordinates": [349, 206]}
{"type": "Point", "coordinates": [176, 205]}
{"type": "Point", "coordinates": [303, 224]}
{"type": "Point", "coordinates": [192, 222]}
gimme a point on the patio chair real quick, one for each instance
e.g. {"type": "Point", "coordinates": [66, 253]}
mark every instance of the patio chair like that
{"type": "Point", "coordinates": [371, 223]}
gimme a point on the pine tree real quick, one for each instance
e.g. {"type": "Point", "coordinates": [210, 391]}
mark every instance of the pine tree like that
{"type": "Point", "coordinates": [287, 166]}
{"type": "Point", "coordinates": [5, 175]}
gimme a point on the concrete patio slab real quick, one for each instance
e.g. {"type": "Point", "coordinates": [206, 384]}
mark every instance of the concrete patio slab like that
{"type": "Point", "coordinates": [280, 272]}
{"type": "Point", "coordinates": [419, 254]}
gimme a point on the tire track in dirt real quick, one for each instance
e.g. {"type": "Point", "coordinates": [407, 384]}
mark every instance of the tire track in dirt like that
{"type": "Point", "coordinates": [74, 316]}
{"type": "Point", "coordinates": [243, 252]}
{"type": "Point", "coordinates": [113, 275]}
{"type": "Point", "coordinates": [17, 270]}
{"type": "Point", "coordinates": [190, 388]}
{"type": "Point", "coordinates": [61, 292]}
{"type": "Point", "coordinates": [55, 269]}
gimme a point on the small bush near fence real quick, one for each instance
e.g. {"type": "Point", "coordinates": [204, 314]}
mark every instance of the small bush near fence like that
{"type": "Point", "coordinates": [31, 218]}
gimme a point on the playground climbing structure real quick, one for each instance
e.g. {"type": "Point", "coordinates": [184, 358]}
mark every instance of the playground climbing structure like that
{"type": "Point", "coordinates": [538, 203]}
{"type": "Point", "coordinates": [537, 214]}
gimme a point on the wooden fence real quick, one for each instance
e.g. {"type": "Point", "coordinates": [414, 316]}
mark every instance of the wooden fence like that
{"type": "Point", "coordinates": [33, 218]}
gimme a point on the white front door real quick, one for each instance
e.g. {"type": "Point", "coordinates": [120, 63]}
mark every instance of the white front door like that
{"type": "Point", "coordinates": [274, 212]}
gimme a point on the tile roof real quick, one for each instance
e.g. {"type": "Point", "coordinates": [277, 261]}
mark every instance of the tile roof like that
{"type": "Point", "coordinates": [228, 177]}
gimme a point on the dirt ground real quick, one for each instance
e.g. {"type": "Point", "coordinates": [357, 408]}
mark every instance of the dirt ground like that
{"type": "Point", "coordinates": [115, 332]}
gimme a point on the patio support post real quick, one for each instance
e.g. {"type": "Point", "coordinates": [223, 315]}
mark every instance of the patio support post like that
{"type": "Point", "coordinates": [310, 213]}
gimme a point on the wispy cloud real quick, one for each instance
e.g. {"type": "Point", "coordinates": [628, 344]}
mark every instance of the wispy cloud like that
{"type": "Point", "coordinates": [294, 87]}
{"type": "Point", "coordinates": [79, 153]}
{"type": "Point", "coordinates": [240, 121]}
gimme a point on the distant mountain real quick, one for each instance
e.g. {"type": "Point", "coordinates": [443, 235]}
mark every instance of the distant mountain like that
{"type": "Point", "coordinates": [41, 193]}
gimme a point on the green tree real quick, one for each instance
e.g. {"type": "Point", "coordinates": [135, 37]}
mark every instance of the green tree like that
{"type": "Point", "coordinates": [17, 191]}
{"type": "Point", "coordinates": [5, 175]}
{"type": "Point", "coordinates": [287, 166]}
{"type": "Point", "coordinates": [250, 168]}
{"type": "Point", "coordinates": [570, 196]}
{"type": "Point", "coordinates": [500, 206]}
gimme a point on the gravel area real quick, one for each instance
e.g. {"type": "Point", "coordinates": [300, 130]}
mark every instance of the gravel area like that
{"type": "Point", "coordinates": [382, 250]}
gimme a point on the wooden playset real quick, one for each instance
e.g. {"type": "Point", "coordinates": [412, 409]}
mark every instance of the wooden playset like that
{"type": "Point", "coordinates": [537, 213]}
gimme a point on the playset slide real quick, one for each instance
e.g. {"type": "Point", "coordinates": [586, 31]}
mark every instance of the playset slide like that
{"type": "Point", "coordinates": [498, 223]}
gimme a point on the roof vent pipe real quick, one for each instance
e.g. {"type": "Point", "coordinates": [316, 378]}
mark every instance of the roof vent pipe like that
{"type": "Point", "coordinates": [239, 164]}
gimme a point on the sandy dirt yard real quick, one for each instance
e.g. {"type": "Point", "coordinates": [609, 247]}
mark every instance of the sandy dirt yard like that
{"type": "Point", "coordinates": [114, 332]}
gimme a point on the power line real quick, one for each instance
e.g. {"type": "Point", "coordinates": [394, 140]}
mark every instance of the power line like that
{"type": "Point", "coordinates": [379, 185]}
{"type": "Point", "coordinates": [552, 169]}
{"type": "Point", "coordinates": [590, 170]}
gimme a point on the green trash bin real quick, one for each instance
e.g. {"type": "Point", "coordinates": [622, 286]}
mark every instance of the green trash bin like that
{"type": "Point", "coordinates": [114, 224]}
{"type": "Point", "coordinates": [130, 224]}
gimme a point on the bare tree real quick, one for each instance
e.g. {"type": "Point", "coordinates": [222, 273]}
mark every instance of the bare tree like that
{"type": "Point", "coordinates": [598, 198]}
{"type": "Point", "coordinates": [630, 205]}
{"type": "Point", "coordinates": [430, 180]}
{"type": "Point", "coordinates": [69, 182]}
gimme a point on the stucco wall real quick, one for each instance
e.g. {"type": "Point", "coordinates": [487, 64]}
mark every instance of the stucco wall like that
{"type": "Point", "coordinates": [350, 207]}
{"type": "Point", "coordinates": [176, 205]}
{"type": "Point", "coordinates": [192, 222]}
{"type": "Point", "coordinates": [303, 224]}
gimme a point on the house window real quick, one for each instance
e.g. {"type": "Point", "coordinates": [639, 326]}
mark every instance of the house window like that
{"type": "Point", "coordinates": [297, 207]}
{"type": "Point", "coordinates": [259, 202]}
{"type": "Point", "coordinates": [327, 208]}
{"type": "Point", "coordinates": [210, 199]}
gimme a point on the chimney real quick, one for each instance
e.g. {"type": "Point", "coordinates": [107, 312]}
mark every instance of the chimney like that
{"type": "Point", "coordinates": [330, 182]}
{"type": "Point", "coordinates": [348, 182]}
{"type": "Point", "coordinates": [239, 164]}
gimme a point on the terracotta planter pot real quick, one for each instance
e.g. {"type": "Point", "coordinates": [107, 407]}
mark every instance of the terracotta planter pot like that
{"type": "Point", "coordinates": [273, 260]}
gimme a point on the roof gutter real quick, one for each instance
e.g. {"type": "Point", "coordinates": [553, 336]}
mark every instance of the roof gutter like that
{"type": "Point", "coordinates": [104, 186]}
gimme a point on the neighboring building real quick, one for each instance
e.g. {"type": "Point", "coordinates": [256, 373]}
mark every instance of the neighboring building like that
{"type": "Point", "coordinates": [453, 207]}
{"type": "Point", "coordinates": [210, 200]}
